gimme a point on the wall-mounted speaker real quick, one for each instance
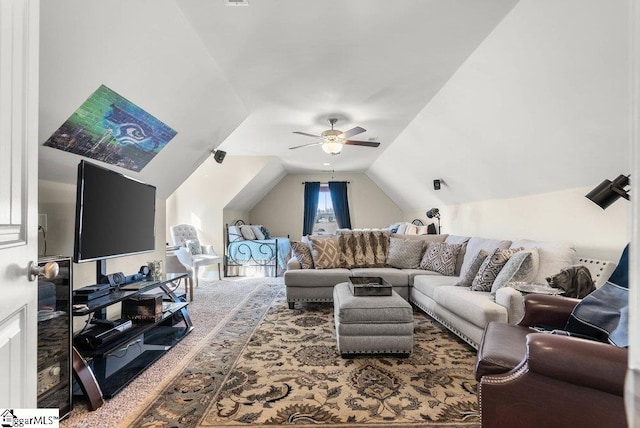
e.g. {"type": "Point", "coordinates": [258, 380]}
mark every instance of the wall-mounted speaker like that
{"type": "Point", "coordinates": [219, 155]}
{"type": "Point", "coordinates": [437, 184]}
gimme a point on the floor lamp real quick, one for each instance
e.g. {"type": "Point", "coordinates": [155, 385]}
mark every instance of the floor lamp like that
{"type": "Point", "coordinates": [435, 212]}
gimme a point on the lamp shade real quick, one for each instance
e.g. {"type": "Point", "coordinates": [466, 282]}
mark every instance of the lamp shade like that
{"type": "Point", "coordinates": [607, 192]}
{"type": "Point", "coordinates": [433, 212]}
{"type": "Point", "coordinates": [332, 147]}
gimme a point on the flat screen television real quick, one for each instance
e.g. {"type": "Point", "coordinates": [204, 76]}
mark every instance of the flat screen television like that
{"type": "Point", "coordinates": [115, 214]}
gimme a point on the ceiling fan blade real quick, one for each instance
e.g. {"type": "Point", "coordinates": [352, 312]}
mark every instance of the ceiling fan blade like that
{"type": "Point", "coordinates": [362, 143]}
{"type": "Point", "coordinates": [305, 145]}
{"type": "Point", "coordinates": [306, 134]}
{"type": "Point", "coordinates": [353, 131]}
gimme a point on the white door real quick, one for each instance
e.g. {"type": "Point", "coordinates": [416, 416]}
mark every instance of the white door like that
{"type": "Point", "coordinates": [19, 21]}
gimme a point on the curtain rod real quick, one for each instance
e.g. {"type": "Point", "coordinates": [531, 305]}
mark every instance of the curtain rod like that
{"type": "Point", "coordinates": [322, 182]}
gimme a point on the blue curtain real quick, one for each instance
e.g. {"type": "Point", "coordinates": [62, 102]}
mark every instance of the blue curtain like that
{"type": "Point", "coordinates": [338, 190]}
{"type": "Point", "coordinates": [311, 193]}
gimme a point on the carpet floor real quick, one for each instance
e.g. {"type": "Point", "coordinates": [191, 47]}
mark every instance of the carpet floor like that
{"type": "Point", "coordinates": [213, 301]}
{"type": "Point", "coordinates": [258, 363]}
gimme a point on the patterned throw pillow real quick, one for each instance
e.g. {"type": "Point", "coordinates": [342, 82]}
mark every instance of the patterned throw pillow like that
{"type": "Point", "coordinates": [468, 277]}
{"type": "Point", "coordinates": [265, 232]}
{"type": "Point", "coordinates": [441, 258]}
{"type": "Point", "coordinates": [302, 253]}
{"type": "Point", "coordinates": [325, 253]}
{"type": "Point", "coordinates": [194, 247]}
{"type": "Point", "coordinates": [491, 267]}
{"type": "Point", "coordinates": [522, 266]}
{"type": "Point", "coordinates": [363, 249]}
{"type": "Point", "coordinates": [404, 254]}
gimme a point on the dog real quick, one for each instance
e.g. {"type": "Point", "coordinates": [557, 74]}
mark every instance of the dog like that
{"type": "Point", "coordinates": [574, 280]}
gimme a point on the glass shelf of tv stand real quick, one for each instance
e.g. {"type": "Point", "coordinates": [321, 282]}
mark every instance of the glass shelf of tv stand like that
{"type": "Point", "coordinates": [173, 333]}
{"type": "Point", "coordinates": [119, 295]}
{"type": "Point", "coordinates": [95, 377]}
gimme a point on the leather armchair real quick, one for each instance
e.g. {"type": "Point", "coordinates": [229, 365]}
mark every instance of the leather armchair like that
{"type": "Point", "coordinates": [530, 379]}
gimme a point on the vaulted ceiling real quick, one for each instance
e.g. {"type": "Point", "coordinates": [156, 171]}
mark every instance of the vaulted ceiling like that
{"type": "Point", "coordinates": [498, 98]}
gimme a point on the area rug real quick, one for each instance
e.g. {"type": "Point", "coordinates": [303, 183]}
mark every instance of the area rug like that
{"type": "Point", "coordinates": [269, 365]}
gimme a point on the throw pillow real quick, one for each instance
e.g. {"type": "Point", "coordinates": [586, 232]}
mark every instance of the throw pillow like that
{"type": "Point", "coordinates": [474, 245]}
{"type": "Point", "coordinates": [302, 253]}
{"type": "Point", "coordinates": [401, 228]}
{"type": "Point", "coordinates": [422, 230]}
{"type": "Point", "coordinates": [404, 253]}
{"type": "Point", "coordinates": [554, 256]}
{"type": "Point", "coordinates": [257, 231]}
{"type": "Point", "coordinates": [235, 234]}
{"type": "Point", "coordinates": [521, 267]}
{"type": "Point", "coordinates": [393, 228]}
{"type": "Point", "coordinates": [363, 249]}
{"type": "Point", "coordinates": [462, 240]}
{"type": "Point", "coordinates": [265, 232]}
{"type": "Point", "coordinates": [491, 267]}
{"type": "Point", "coordinates": [325, 253]}
{"type": "Point", "coordinates": [194, 247]}
{"type": "Point", "coordinates": [602, 315]}
{"type": "Point", "coordinates": [441, 258]}
{"type": "Point", "coordinates": [411, 229]}
{"type": "Point", "coordinates": [247, 232]}
{"type": "Point", "coordinates": [470, 274]}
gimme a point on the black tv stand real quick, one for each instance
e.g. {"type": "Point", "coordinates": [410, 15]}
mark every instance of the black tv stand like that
{"type": "Point", "coordinates": [115, 359]}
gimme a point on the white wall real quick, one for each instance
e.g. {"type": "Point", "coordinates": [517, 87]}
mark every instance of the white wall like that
{"type": "Point", "coordinates": [148, 52]}
{"type": "Point", "coordinates": [202, 198]}
{"type": "Point", "coordinates": [565, 215]}
{"type": "Point", "coordinates": [281, 210]}
{"type": "Point", "coordinates": [541, 105]}
{"type": "Point", "coordinates": [58, 201]}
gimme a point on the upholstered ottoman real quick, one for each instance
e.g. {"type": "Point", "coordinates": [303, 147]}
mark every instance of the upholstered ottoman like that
{"type": "Point", "coordinates": [372, 324]}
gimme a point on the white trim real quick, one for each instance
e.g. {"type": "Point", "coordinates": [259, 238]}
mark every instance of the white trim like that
{"type": "Point", "coordinates": [632, 385]}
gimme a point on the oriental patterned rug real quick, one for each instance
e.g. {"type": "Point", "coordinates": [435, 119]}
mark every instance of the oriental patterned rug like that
{"type": "Point", "coordinates": [269, 365]}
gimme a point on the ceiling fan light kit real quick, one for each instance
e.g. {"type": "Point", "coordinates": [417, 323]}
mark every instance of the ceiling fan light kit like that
{"type": "Point", "coordinates": [332, 147]}
{"type": "Point", "coordinates": [333, 140]}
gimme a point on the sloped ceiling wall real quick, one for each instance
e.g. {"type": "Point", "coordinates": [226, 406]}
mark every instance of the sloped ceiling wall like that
{"type": "Point", "coordinates": [146, 51]}
{"type": "Point", "coordinates": [540, 106]}
{"type": "Point", "coordinates": [370, 63]}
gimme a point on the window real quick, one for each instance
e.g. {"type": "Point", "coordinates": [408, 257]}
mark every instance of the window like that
{"type": "Point", "coordinates": [325, 222]}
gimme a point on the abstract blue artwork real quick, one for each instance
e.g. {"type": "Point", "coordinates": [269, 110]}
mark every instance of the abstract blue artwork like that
{"type": "Point", "coordinates": [109, 128]}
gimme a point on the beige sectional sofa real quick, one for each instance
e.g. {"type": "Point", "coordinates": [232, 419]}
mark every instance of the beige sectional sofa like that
{"type": "Point", "coordinates": [462, 310]}
{"type": "Point", "coordinates": [316, 285]}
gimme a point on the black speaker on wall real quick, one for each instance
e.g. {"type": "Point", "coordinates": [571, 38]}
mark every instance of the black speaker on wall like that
{"type": "Point", "coordinates": [219, 155]}
{"type": "Point", "coordinates": [437, 184]}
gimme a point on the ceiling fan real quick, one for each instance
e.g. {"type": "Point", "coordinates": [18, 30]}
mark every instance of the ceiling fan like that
{"type": "Point", "coordinates": [332, 140]}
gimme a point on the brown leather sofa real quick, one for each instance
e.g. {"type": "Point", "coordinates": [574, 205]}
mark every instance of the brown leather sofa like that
{"type": "Point", "coordinates": [530, 379]}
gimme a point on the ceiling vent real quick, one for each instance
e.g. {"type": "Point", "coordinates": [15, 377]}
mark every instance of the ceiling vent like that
{"type": "Point", "coordinates": [236, 2]}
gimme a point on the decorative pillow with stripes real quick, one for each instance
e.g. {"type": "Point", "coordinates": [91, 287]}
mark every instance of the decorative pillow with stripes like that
{"type": "Point", "coordinates": [363, 249]}
{"type": "Point", "coordinates": [302, 253]}
{"type": "Point", "coordinates": [491, 267]}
